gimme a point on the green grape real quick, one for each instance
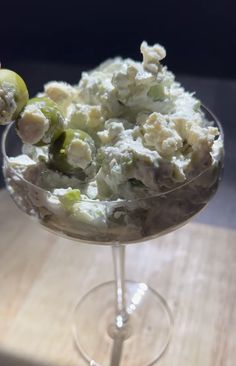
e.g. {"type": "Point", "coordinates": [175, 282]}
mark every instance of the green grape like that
{"type": "Point", "coordinates": [13, 95]}
{"type": "Point", "coordinates": [41, 122]}
{"type": "Point", "coordinates": [73, 153]}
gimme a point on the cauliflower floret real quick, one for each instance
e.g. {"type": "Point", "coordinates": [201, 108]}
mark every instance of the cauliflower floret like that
{"type": "Point", "coordinates": [123, 88]}
{"type": "Point", "coordinates": [124, 160]}
{"type": "Point", "coordinates": [32, 125]}
{"type": "Point", "coordinates": [61, 93]}
{"type": "Point", "coordinates": [79, 154]}
{"type": "Point", "coordinates": [113, 128]}
{"type": "Point", "coordinates": [159, 134]}
{"type": "Point", "coordinates": [85, 117]}
{"type": "Point", "coordinates": [198, 136]}
{"type": "Point", "coordinates": [152, 55]}
{"type": "Point", "coordinates": [195, 134]}
{"type": "Point", "coordinates": [95, 88]}
{"type": "Point", "coordinates": [131, 80]}
{"type": "Point", "coordinates": [186, 105]}
{"type": "Point", "coordinates": [139, 90]}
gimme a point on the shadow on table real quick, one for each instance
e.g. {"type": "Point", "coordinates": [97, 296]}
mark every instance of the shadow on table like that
{"type": "Point", "coordinates": [9, 359]}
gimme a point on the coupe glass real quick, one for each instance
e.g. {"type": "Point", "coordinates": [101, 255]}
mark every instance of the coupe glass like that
{"type": "Point", "coordinates": [126, 322]}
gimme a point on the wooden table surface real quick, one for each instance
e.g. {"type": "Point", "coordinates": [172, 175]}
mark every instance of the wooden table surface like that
{"type": "Point", "coordinates": [42, 276]}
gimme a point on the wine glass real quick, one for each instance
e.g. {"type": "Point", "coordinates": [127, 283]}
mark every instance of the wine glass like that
{"type": "Point", "coordinates": [122, 318]}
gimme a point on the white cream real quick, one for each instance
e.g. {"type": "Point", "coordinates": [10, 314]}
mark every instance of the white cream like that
{"type": "Point", "coordinates": [148, 132]}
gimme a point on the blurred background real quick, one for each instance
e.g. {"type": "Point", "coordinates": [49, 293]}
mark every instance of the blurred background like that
{"type": "Point", "coordinates": [49, 40]}
{"type": "Point", "coordinates": [198, 35]}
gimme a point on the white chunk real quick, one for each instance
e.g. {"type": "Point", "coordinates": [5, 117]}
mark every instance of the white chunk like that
{"type": "Point", "coordinates": [32, 125]}
{"type": "Point", "coordinates": [161, 135]}
{"type": "Point", "coordinates": [152, 55]}
{"type": "Point", "coordinates": [84, 117]}
{"type": "Point", "coordinates": [79, 154]}
{"type": "Point", "coordinates": [61, 93]}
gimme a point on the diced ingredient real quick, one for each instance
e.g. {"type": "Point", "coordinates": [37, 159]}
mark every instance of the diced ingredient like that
{"type": "Point", "coordinates": [41, 122]}
{"type": "Point", "coordinates": [63, 94]}
{"type": "Point", "coordinates": [70, 198]}
{"type": "Point", "coordinates": [73, 153]}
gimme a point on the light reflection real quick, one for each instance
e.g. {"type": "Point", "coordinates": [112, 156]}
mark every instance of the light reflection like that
{"type": "Point", "coordinates": [137, 297]}
{"type": "Point", "coordinates": [119, 321]}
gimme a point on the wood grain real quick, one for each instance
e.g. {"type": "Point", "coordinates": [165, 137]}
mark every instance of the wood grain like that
{"type": "Point", "coordinates": [42, 276]}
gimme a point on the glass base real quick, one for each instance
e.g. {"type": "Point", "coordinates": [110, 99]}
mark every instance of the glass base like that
{"type": "Point", "coordinates": [141, 341]}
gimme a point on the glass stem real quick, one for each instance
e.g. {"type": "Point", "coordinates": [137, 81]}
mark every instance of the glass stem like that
{"type": "Point", "coordinates": [118, 253]}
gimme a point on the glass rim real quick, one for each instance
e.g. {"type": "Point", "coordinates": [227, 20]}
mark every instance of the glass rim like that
{"type": "Point", "coordinates": [119, 200]}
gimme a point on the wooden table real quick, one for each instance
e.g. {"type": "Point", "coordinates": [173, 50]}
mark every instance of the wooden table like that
{"type": "Point", "coordinates": [42, 276]}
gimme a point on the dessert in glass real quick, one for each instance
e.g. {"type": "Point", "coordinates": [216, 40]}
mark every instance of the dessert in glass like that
{"type": "Point", "coordinates": [123, 156]}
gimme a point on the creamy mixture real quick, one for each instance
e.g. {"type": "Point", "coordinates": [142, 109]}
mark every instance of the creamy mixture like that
{"type": "Point", "coordinates": [128, 130]}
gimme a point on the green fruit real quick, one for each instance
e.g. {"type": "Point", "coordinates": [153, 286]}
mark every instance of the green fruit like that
{"type": "Point", "coordinates": [59, 153]}
{"type": "Point", "coordinates": [20, 92]}
{"type": "Point", "coordinates": [27, 122]}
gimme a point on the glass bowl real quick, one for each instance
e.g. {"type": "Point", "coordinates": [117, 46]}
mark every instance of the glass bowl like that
{"type": "Point", "coordinates": [116, 328]}
{"type": "Point", "coordinates": [106, 222]}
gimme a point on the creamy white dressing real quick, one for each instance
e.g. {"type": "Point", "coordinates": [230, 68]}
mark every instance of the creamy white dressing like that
{"type": "Point", "coordinates": [149, 135]}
